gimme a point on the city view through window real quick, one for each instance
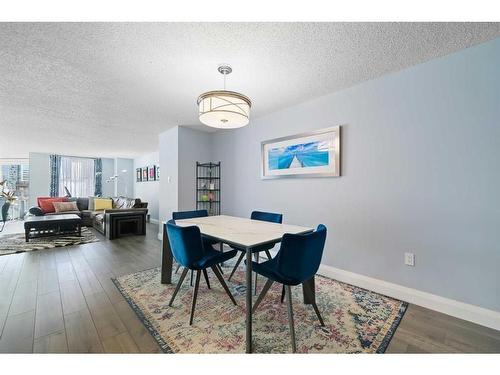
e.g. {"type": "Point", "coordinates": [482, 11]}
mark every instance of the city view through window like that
{"type": "Point", "coordinates": [16, 177]}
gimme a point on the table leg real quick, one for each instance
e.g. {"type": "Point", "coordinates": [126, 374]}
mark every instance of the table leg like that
{"type": "Point", "coordinates": [166, 259]}
{"type": "Point", "coordinates": [249, 301]}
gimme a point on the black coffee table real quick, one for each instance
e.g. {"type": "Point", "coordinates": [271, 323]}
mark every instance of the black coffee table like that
{"type": "Point", "coordinates": [52, 225]}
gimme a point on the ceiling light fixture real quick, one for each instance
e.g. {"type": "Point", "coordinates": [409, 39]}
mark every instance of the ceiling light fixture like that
{"type": "Point", "coordinates": [224, 109]}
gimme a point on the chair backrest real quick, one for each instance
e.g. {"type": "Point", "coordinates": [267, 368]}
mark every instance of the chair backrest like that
{"type": "Point", "coordinates": [189, 214]}
{"type": "Point", "coordinates": [267, 216]}
{"type": "Point", "coordinates": [300, 254]}
{"type": "Point", "coordinates": [185, 243]}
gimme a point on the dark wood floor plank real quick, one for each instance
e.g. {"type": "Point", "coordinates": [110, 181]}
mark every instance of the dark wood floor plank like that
{"type": "Point", "coordinates": [72, 297]}
{"type": "Point", "coordinates": [49, 317]}
{"type": "Point", "coordinates": [139, 333]}
{"type": "Point", "coordinates": [24, 298]}
{"type": "Point", "coordinates": [121, 343]}
{"type": "Point", "coordinates": [81, 333]}
{"type": "Point", "coordinates": [53, 343]}
{"type": "Point", "coordinates": [106, 320]}
{"type": "Point", "coordinates": [17, 336]}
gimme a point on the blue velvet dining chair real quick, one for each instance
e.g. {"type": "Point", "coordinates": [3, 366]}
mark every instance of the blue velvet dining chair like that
{"type": "Point", "coordinates": [297, 262]}
{"type": "Point", "coordinates": [262, 216]}
{"type": "Point", "coordinates": [180, 215]}
{"type": "Point", "coordinates": [189, 251]}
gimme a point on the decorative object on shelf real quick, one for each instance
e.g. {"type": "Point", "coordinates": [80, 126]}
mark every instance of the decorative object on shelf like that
{"type": "Point", "coordinates": [157, 178]}
{"type": "Point", "coordinates": [313, 154]}
{"type": "Point", "coordinates": [152, 173]}
{"type": "Point", "coordinates": [224, 109]}
{"type": "Point", "coordinates": [208, 187]}
{"type": "Point", "coordinates": [145, 174]}
{"type": "Point", "coordinates": [9, 198]}
{"type": "Point", "coordinates": [138, 175]}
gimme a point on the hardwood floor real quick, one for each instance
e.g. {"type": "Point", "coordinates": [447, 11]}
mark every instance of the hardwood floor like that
{"type": "Point", "coordinates": [62, 300]}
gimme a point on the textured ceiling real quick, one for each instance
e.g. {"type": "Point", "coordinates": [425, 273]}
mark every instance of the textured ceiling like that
{"type": "Point", "coordinates": [108, 89]}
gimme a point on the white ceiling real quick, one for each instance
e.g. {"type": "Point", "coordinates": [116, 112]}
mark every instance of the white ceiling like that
{"type": "Point", "coordinates": [109, 89]}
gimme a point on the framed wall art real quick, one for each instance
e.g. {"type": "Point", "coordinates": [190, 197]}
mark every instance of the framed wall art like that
{"type": "Point", "coordinates": [313, 154]}
{"type": "Point", "coordinates": [145, 174]}
{"type": "Point", "coordinates": [138, 174]}
{"type": "Point", "coordinates": [152, 173]}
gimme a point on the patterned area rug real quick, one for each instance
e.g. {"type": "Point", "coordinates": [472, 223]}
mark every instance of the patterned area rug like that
{"type": "Point", "coordinates": [357, 320]}
{"type": "Point", "coordinates": [16, 243]}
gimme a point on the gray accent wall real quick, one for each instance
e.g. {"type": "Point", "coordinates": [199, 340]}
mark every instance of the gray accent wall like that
{"type": "Point", "coordinates": [420, 173]}
{"type": "Point", "coordinates": [148, 191]}
{"type": "Point", "coordinates": [194, 145]}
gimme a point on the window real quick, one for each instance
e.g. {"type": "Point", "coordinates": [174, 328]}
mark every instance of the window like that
{"type": "Point", "coordinates": [16, 174]}
{"type": "Point", "coordinates": [77, 175]}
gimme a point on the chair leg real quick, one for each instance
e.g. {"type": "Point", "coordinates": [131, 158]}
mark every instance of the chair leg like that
{"type": "Point", "coordinates": [195, 295]}
{"type": "Point", "coordinates": [268, 255]}
{"type": "Point", "coordinates": [316, 310]}
{"type": "Point", "coordinates": [179, 284]}
{"type": "Point", "coordinates": [283, 294]}
{"type": "Point", "coordinates": [220, 268]}
{"type": "Point", "coordinates": [177, 269]}
{"type": "Point", "coordinates": [262, 294]}
{"type": "Point", "coordinates": [205, 274]}
{"type": "Point", "coordinates": [191, 283]}
{"type": "Point", "coordinates": [223, 283]}
{"type": "Point", "coordinates": [288, 291]}
{"type": "Point", "coordinates": [236, 265]}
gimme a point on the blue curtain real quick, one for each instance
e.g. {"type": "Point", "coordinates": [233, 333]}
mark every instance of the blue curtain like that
{"type": "Point", "coordinates": [55, 166]}
{"type": "Point", "coordinates": [98, 177]}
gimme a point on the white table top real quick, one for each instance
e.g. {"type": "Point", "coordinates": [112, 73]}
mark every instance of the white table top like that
{"type": "Point", "coordinates": [241, 231]}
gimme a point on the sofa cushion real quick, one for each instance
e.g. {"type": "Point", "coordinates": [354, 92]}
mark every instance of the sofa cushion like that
{"type": "Point", "coordinates": [46, 203]}
{"type": "Point", "coordinates": [102, 203]}
{"type": "Point", "coordinates": [65, 206]}
{"type": "Point", "coordinates": [124, 202]}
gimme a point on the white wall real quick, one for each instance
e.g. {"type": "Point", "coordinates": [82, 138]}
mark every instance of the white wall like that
{"type": "Point", "coordinates": [148, 191]}
{"type": "Point", "coordinates": [39, 176]}
{"type": "Point", "coordinates": [108, 170]}
{"type": "Point", "coordinates": [420, 173]}
{"type": "Point", "coordinates": [169, 172]}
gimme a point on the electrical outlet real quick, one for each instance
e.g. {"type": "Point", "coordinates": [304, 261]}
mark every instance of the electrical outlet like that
{"type": "Point", "coordinates": [410, 259]}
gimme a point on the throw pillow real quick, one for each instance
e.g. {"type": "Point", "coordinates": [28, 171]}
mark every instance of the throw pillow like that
{"type": "Point", "coordinates": [47, 204]}
{"type": "Point", "coordinates": [65, 206]}
{"type": "Point", "coordinates": [102, 204]}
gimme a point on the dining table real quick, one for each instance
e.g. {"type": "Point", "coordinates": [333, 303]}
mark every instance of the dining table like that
{"type": "Point", "coordinates": [244, 234]}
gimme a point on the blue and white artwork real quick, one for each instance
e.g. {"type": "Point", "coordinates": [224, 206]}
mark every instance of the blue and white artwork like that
{"type": "Point", "coordinates": [303, 155]}
{"type": "Point", "coordinates": [313, 155]}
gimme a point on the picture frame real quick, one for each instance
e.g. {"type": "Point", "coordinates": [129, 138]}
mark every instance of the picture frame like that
{"type": "Point", "coordinates": [145, 174]}
{"type": "Point", "coordinates": [152, 173]}
{"type": "Point", "coordinates": [157, 178]}
{"type": "Point", "coordinates": [138, 175]}
{"type": "Point", "coordinates": [311, 154]}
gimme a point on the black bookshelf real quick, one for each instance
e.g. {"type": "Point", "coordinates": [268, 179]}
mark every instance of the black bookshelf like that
{"type": "Point", "coordinates": [208, 195]}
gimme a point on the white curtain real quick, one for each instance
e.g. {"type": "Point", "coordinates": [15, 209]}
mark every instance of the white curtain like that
{"type": "Point", "coordinates": [78, 175]}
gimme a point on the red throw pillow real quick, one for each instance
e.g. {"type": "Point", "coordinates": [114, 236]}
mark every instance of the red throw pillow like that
{"type": "Point", "coordinates": [46, 203]}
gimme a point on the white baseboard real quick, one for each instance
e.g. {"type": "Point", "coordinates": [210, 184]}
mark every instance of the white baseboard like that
{"type": "Point", "coordinates": [160, 236]}
{"type": "Point", "coordinates": [153, 221]}
{"type": "Point", "coordinates": [472, 313]}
